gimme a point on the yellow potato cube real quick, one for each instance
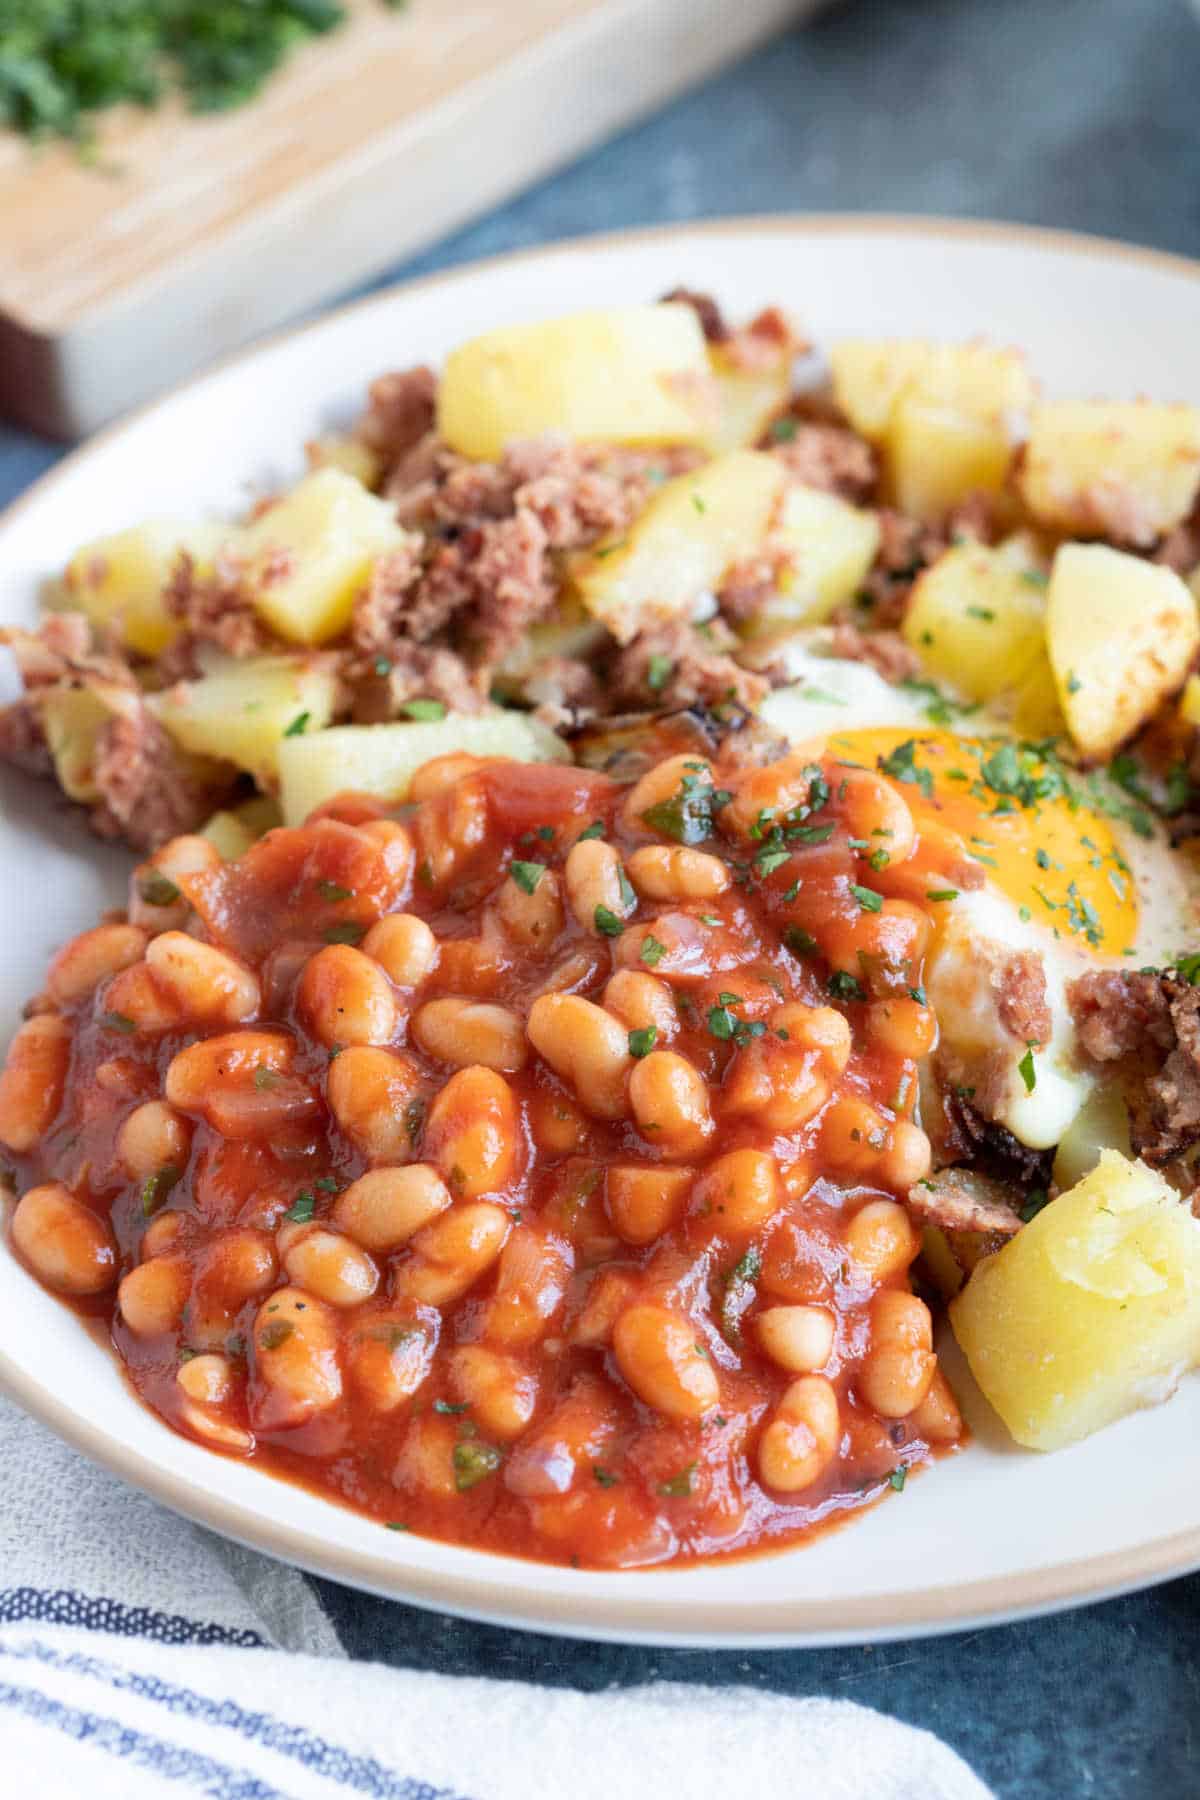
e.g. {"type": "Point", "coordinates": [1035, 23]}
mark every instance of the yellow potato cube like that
{"type": "Point", "coordinates": [72, 719]}
{"type": "Point", "coordinates": [231, 832]}
{"type": "Point", "coordinates": [1091, 1311]}
{"type": "Point", "coordinates": [869, 375]}
{"type": "Point", "coordinates": [681, 544]}
{"type": "Point", "coordinates": [1098, 469]}
{"type": "Point", "coordinates": [308, 556]}
{"type": "Point", "coordinates": [832, 546]}
{"type": "Point", "coordinates": [939, 455]}
{"type": "Point", "coordinates": [1102, 1123]}
{"type": "Point", "coordinates": [337, 450]}
{"type": "Point", "coordinates": [243, 711]}
{"type": "Point", "coordinates": [381, 759]}
{"type": "Point", "coordinates": [747, 399]}
{"type": "Point", "coordinates": [1189, 701]}
{"type": "Point", "coordinates": [118, 581]}
{"type": "Point", "coordinates": [1121, 634]}
{"type": "Point", "coordinates": [977, 619]}
{"type": "Point", "coordinates": [630, 375]}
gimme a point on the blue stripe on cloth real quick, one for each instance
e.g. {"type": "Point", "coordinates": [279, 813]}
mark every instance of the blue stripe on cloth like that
{"type": "Point", "coordinates": [94, 1612]}
{"type": "Point", "coordinates": [168, 1762]}
{"type": "Point", "coordinates": [332, 1762]}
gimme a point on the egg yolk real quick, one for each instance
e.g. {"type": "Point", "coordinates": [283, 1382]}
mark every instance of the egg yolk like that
{"type": "Point", "coordinates": [1056, 860]}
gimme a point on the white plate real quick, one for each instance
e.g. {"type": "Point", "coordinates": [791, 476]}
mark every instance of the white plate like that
{"type": "Point", "coordinates": [990, 1534]}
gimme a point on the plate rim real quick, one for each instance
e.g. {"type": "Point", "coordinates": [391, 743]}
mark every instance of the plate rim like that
{"type": "Point", "coordinates": [517, 1601]}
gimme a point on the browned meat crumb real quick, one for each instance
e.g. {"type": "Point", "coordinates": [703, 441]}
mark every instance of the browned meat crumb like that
{"type": "Point", "coordinates": [22, 741]}
{"type": "Point", "coordinates": [832, 458]}
{"type": "Point", "coordinates": [1018, 980]}
{"type": "Point", "coordinates": [1149, 1023]}
{"type": "Point", "coordinates": [906, 546]}
{"type": "Point", "coordinates": [400, 411]}
{"type": "Point", "coordinates": [514, 580]}
{"type": "Point", "coordinates": [564, 692]}
{"type": "Point", "coordinates": [148, 794]}
{"type": "Point", "coordinates": [380, 687]}
{"type": "Point", "coordinates": [769, 340]}
{"type": "Point", "coordinates": [961, 1132]}
{"type": "Point", "coordinates": [1119, 1012]}
{"type": "Point", "coordinates": [216, 609]}
{"type": "Point", "coordinates": [885, 651]}
{"type": "Point", "coordinates": [680, 665]}
{"type": "Point", "coordinates": [712, 320]}
{"type": "Point", "coordinates": [964, 1201]}
{"type": "Point", "coordinates": [749, 584]}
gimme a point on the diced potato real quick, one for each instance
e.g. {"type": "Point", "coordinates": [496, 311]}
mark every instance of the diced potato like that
{"type": "Point", "coordinates": [118, 581]}
{"type": "Point", "coordinates": [232, 832]}
{"type": "Point", "coordinates": [310, 554]}
{"type": "Point", "coordinates": [568, 632]}
{"type": "Point", "coordinates": [72, 719]}
{"type": "Point", "coordinates": [243, 711]}
{"type": "Point", "coordinates": [338, 450]}
{"type": "Point", "coordinates": [381, 759]}
{"type": "Point", "coordinates": [1119, 471]}
{"type": "Point", "coordinates": [869, 375]}
{"type": "Point", "coordinates": [1091, 1311]}
{"type": "Point", "coordinates": [938, 455]}
{"type": "Point", "coordinates": [1102, 1123]}
{"type": "Point", "coordinates": [631, 375]}
{"type": "Point", "coordinates": [1189, 701]}
{"type": "Point", "coordinates": [747, 399]}
{"type": "Point", "coordinates": [977, 619]}
{"type": "Point", "coordinates": [1121, 633]}
{"type": "Point", "coordinates": [693, 529]}
{"type": "Point", "coordinates": [1036, 712]}
{"type": "Point", "coordinates": [833, 546]}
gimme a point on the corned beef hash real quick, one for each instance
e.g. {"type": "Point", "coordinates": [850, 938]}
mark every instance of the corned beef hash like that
{"type": "Point", "coordinates": [664, 866]}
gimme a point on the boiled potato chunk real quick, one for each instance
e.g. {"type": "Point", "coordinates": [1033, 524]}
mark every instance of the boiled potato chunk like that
{"type": "Point", "coordinates": [72, 719]}
{"type": "Point", "coordinates": [631, 375]}
{"type": "Point", "coordinates": [119, 581]}
{"type": "Point", "coordinates": [977, 620]}
{"type": "Point", "coordinates": [1102, 1123]}
{"type": "Point", "coordinates": [693, 529]}
{"type": "Point", "coordinates": [1121, 634]}
{"type": "Point", "coordinates": [832, 546]}
{"type": "Point", "coordinates": [1189, 701]}
{"type": "Point", "coordinates": [869, 375]}
{"type": "Point", "coordinates": [568, 632]}
{"type": "Point", "coordinates": [747, 400]}
{"type": "Point", "coordinates": [309, 555]}
{"type": "Point", "coordinates": [1126, 471]}
{"type": "Point", "coordinates": [1091, 1311]}
{"type": "Point", "coordinates": [937, 455]}
{"type": "Point", "coordinates": [244, 710]}
{"type": "Point", "coordinates": [381, 759]}
{"type": "Point", "coordinates": [231, 832]}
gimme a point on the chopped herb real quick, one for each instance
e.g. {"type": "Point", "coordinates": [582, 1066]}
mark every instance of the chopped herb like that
{"type": "Point", "coordinates": [919, 995]}
{"type": "Point", "coordinates": [156, 1189]}
{"type": "Point", "coordinates": [799, 941]}
{"type": "Point", "coordinates": [652, 952]}
{"type": "Point", "coordinates": [687, 817]}
{"type": "Point", "coordinates": [156, 889]}
{"type": "Point", "coordinates": [1026, 1070]}
{"type": "Point", "coordinates": [594, 830]}
{"type": "Point", "coordinates": [382, 666]}
{"type": "Point", "coordinates": [730, 999]}
{"type": "Point", "coordinates": [396, 1525]}
{"type": "Point", "coordinates": [879, 859]}
{"type": "Point", "coordinates": [274, 1333]}
{"type": "Point", "coordinates": [546, 833]}
{"type": "Point", "coordinates": [679, 1486]}
{"type": "Point", "coordinates": [302, 1208]}
{"type": "Point", "coordinates": [845, 987]}
{"type": "Point", "coordinates": [265, 1078]}
{"type": "Point", "coordinates": [1041, 858]}
{"type": "Point", "coordinates": [1034, 577]}
{"type": "Point", "coordinates": [1038, 1198]}
{"type": "Point", "coordinates": [605, 1477]}
{"type": "Point", "coordinates": [608, 922]}
{"type": "Point", "coordinates": [941, 894]}
{"type": "Point", "coordinates": [658, 673]}
{"type": "Point", "coordinates": [721, 1022]}
{"type": "Point", "coordinates": [610, 549]}
{"type": "Point", "coordinates": [332, 890]}
{"type": "Point", "coordinates": [784, 430]}
{"type": "Point", "coordinates": [186, 1355]}
{"type": "Point", "coordinates": [867, 898]}
{"type": "Point", "coordinates": [897, 1478]}
{"type": "Point", "coordinates": [474, 1461]}
{"type": "Point", "coordinates": [1188, 967]}
{"type": "Point", "coordinates": [527, 875]}
{"type": "Point", "coordinates": [810, 834]}
{"type": "Point", "coordinates": [298, 726]}
{"type": "Point", "coordinates": [768, 860]}
{"type": "Point", "coordinates": [327, 1184]}
{"type": "Point", "coordinates": [1073, 683]}
{"type": "Point", "coordinates": [628, 897]}
{"type": "Point", "coordinates": [642, 1042]}
{"type": "Point", "coordinates": [427, 711]}
{"type": "Point", "coordinates": [348, 932]}
{"type": "Point", "coordinates": [699, 502]}
{"type": "Point", "coordinates": [115, 1021]}
{"type": "Point", "coordinates": [900, 765]}
{"type": "Point", "coordinates": [444, 1406]}
{"type": "Point", "coordinates": [708, 918]}
{"type": "Point", "coordinates": [981, 612]}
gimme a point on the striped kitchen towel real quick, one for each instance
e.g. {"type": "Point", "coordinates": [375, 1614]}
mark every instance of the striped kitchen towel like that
{"type": "Point", "coordinates": [140, 1656]}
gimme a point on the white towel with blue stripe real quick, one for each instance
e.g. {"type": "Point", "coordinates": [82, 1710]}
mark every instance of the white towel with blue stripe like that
{"type": "Point", "coordinates": [140, 1656]}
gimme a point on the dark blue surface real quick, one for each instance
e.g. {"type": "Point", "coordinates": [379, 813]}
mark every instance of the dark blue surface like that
{"type": "Point", "coordinates": [1082, 113]}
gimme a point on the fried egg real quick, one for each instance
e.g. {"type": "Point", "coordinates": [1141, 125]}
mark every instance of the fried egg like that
{"type": "Point", "coordinates": [1064, 876]}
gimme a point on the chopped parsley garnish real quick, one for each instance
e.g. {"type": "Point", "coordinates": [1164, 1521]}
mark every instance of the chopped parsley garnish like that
{"type": "Point", "coordinates": [426, 711]}
{"type": "Point", "coordinates": [332, 890]}
{"type": "Point", "coordinates": [867, 898]}
{"type": "Point", "coordinates": [679, 1486]}
{"type": "Point", "coordinates": [326, 1183]}
{"type": "Point", "coordinates": [1027, 1071]}
{"type": "Point", "coordinates": [1073, 683]}
{"type": "Point", "coordinates": [474, 1461]}
{"type": "Point", "coordinates": [699, 502]}
{"type": "Point", "coordinates": [348, 932]}
{"type": "Point", "coordinates": [784, 430]}
{"type": "Point", "coordinates": [901, 766]}
{"type": "Point", "coordinates": [298, 726]}
{"type": "Point", "coordinates": [445, 1406]}
{"type": "Point", "coordinates": [546, 833]}
{"type": "Point", "coordinates": [396, 1525]}
{"type": "Point", "coordinates": [265, 1078]}
{"type": "Point", "coordinates": [608, 921]}
{"type": "Point", "coordinates": [658, 673]}
{"type": "Point", "coordinates": [651, 952]}
{"type": "Point", "coordinates": [723, 1025]}
{"type": "Point", "coordinates": [941, 893]}
{"type": "Point", "coordinates": [919, 995]}
{"type": "Point", "coordinates": [594, 830]}
{"type": "Point", "coordinates": [981, 612]}
{"type": "Point", "coordinates": [687, 817]}
{"type": "Point", "coordinates": [897, 1478]}
{"type": "Point", "coordinates": [382, 666]}
{"type": "Point", "coordinates": [628, 897]}
{"type": "Point", "coordinates": [642, 1042]}
{"type": "Point", "coordinates": [1188, 968]}
{"type": "Point", "coordinates": [156, 889]}
{"type": "Point", "coordinates": [115, 1021]}
{"type": "Point", "coordinates": [845, 987]}
{"type": "Point", "coordinates": [156, 1189]}
{"type": "Point", "coordinates": [605, 1477]}
{"type": "Point", "coordinates": [302, 1208]}
{"type": "Point", "coordinates": [527, 875]}
{"type": "Point", "coordinates": [799, 941]}
{"type": "Point", "coordinates": [1038, 1198]}
{"type": "Point", "coordinates": [1034, 577]}
{"type": "Point", "coordinates": [274, 1333]}
{"type": "Point", "coordinates": [768, 860]}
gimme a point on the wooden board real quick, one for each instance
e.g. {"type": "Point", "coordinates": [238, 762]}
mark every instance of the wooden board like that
{"type": "Point", "coordinates": [188, 235]}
